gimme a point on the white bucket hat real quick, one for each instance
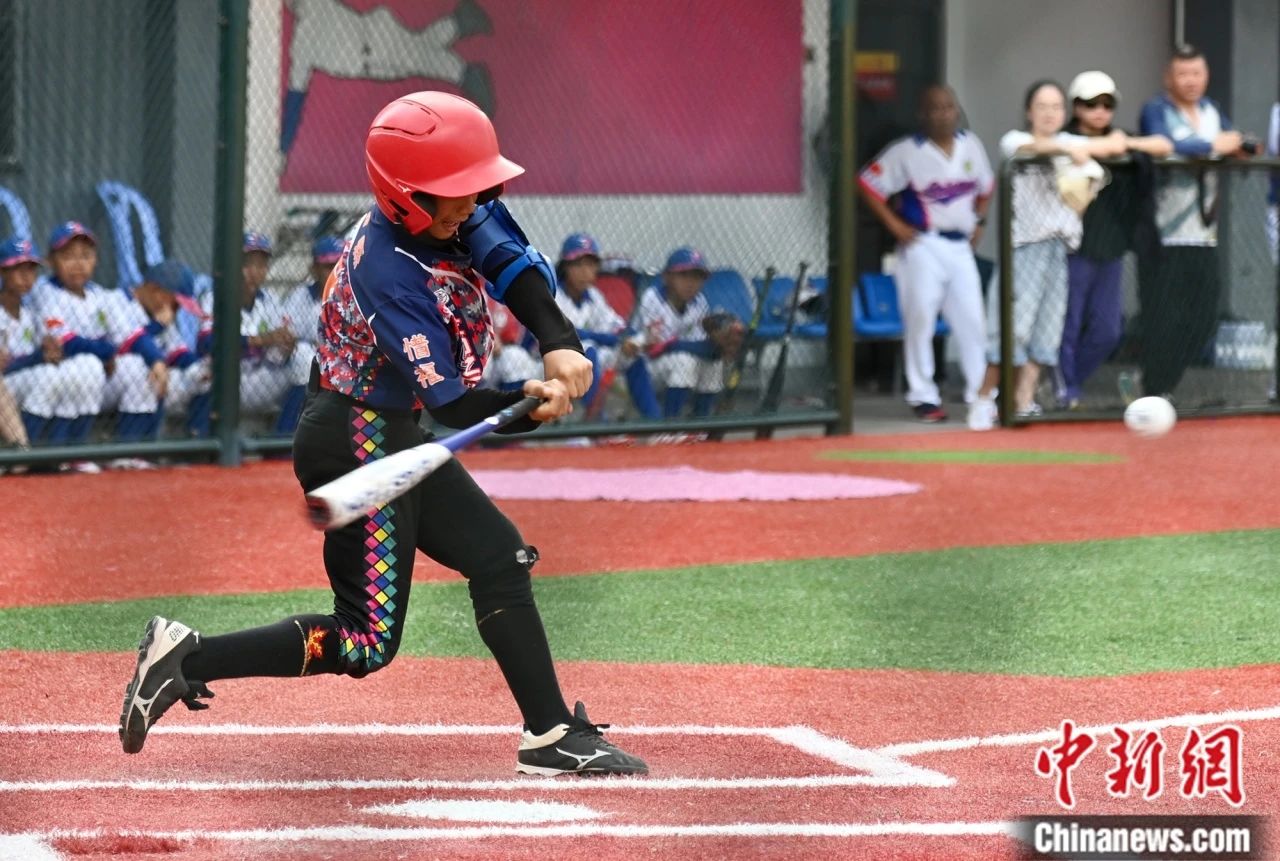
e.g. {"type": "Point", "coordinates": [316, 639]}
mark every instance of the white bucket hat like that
{"type": "Point", "coordinates": [1090, 85]}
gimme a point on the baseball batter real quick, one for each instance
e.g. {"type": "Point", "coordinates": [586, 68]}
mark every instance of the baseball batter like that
{"type": "Point", "coordinates": [405, 326]}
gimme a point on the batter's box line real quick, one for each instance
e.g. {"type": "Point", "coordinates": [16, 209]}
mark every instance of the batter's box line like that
{"type": "Point", "coordinates": [876, 768]}
{"type": "Point", "coordinates": [918, 748]}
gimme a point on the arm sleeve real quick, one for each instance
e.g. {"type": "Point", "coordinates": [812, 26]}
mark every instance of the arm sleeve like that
{"type": "Point", "coordinates": [986, 176]}
{"type": "Point", "coordinates": [143, 342]}
{"type": "Point", "coordinates": [604, 339]}
{"type": "Point", "coordinates": [885, 175]}
{"type": "Point", "coordinates": [100, 347]}
{"type": "Point", "coordinates": [698, 347]}
{"type": "Point", "coordinates": [181, 358]}
{"type": "Point", "coordinates": [534, 306]}
{"type": "Point", "coordinates": [1152, 122]}
{"type": "Point", "coordinates": [476, 405]}
{"type": "Point", "coordinates": [19, 363]}
{"type": "Point", "coordinates": [1012, 141]}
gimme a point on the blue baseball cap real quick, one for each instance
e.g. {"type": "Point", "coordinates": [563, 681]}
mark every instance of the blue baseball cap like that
{"type": "Point", "coordinates": [15, 251]}
{"type": "Point", "coordinates": [67, 231]}
{"type": "Point", "coordinates": [177, 278]}
{"type": "Point", "coordinates": [687, 260]}
{"type": "Point", "coordinates": [579, 245]}
{"type": "Point", "coordinates": [255, 241]}
{"type": "Point", "coordinates": [327, 249]}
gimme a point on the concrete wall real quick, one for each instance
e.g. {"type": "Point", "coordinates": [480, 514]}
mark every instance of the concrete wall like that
{"type": "Point", "coordinates": [995, 49]}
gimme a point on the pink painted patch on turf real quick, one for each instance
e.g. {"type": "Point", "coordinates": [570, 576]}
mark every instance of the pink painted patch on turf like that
{"type": "Point", "coordinates": [681, 483]}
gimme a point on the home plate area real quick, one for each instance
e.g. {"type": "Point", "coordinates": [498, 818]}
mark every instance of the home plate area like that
{"type": "Point", "coordinates": [385, 782]}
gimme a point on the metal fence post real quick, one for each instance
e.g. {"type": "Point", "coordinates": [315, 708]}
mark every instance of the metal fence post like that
{"type": "Point", "coordinates": [229, 214]}
{"type": "Point", "coordinates": [843, 216]}
{"type": "Point", "coordinates": [1007, 376]}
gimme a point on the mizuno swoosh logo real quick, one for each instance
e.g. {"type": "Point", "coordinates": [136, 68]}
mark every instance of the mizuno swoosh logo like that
{"type": "Point", "coordinates": [583, 760]}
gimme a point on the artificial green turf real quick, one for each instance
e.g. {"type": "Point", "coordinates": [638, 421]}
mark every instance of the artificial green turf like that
{"type": "Point", "coordinates": [1090, 608]}
{"type": "Point", "coordinates": [1009, 457]}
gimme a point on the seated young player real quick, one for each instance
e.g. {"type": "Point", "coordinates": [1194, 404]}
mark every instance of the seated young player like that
{"type": "Point", "coordinates": [273, 372]}
{"type": "Point", "coordinates": [30, 385]}
{"type": "Point", "coordinates": [79, 317]}
{"type": "Point", "coordinates": [684, 346]}
{"type": "Point", "coordinates": [608, 342]}
{"type": "Point", "coordinates": [176, 375]}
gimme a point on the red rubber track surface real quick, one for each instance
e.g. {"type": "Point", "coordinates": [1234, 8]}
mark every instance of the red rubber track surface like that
{"type": "Point", "coordinates": [209, 530]}
{"type": "Point", "coordinates": [864, 709]}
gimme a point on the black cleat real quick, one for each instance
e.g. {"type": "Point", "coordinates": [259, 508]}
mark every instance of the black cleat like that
{"type": "Point", "coordinates": [576, 748]}
{"type": "Point", "coordinates": [157, 682]}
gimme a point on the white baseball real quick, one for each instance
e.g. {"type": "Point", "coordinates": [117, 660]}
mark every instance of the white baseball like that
{"type": "Point", "coordinates": [1150, 417]}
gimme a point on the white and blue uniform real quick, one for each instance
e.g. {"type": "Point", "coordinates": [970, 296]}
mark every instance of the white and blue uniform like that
{"type": "Point", "coordinates": [266, 375]}
{"type": "Point", "coordinates": [36, 385]}
{"type": "Point", "coordinates": [596, 322]}
{"type": "Point", "coordinates": [84, 326]}
{"type": "Point", "coordinates": [937, 272]}
{"type": "Point", "coordinates": [301, 307]}
{"type": "Point", "coordinates": [149, 342]}
{"type": "Point", "coordinates": [675, 343]}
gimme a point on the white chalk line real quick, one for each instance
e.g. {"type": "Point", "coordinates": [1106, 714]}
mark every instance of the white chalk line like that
{"type": "Point", "coordinates": [916, 748]}
{"type": "Point", "coordinates": [366, 834]}
{"type": "Point", "coordinates": [877, 768]}
{"type": "Point", "coordinates": [594, 785]}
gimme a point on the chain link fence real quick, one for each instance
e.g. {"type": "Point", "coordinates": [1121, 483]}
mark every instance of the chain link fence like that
{"type": "Point", "coordinates": [106, 167]}
{"type": "Point", "coordinates": [1167, 286]}
{"type": "Point", "coordinates": [648, 137]}
{"type": "Point", "coordinates": [646, 128]}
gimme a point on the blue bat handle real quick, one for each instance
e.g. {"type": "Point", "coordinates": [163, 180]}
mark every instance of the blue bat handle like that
{"type": "Point", "coordinates": [464, 438]}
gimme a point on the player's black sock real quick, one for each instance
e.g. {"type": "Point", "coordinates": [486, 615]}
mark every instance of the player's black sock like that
{"type": "Point", "coordinates": [280, 649]}
{"type": "Point", "coordinates": [517, 640]}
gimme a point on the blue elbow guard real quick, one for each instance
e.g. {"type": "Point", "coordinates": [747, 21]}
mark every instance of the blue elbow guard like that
{"type": "Point", "coordinates": [500, 250]}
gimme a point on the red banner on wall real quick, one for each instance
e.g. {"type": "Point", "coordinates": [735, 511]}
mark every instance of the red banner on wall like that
{"type": "Point", "coordinates": [590, 96]}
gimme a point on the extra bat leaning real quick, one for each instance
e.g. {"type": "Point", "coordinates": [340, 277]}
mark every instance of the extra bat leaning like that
{"type": "Point", "coordinates": [773, 393]}
{"type": "Point", "coordinates": [355, 494]}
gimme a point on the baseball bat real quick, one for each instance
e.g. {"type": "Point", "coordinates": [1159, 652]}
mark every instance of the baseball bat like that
{"type": "Point", "coordinates": [734, 378]}
{"type": "Point", "coordinates": [376, 483]}
{"type": "Point", "coordinates": [773, 393]}
{"type": "Point", "coordinates": [735, 373]}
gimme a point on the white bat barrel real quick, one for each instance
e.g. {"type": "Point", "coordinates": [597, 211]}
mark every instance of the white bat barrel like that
{"type": "Point", "coordinates": [357, 493]}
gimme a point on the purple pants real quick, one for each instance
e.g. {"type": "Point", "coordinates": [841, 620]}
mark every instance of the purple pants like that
{"type": "Point", "coordinates": [1094, 321]}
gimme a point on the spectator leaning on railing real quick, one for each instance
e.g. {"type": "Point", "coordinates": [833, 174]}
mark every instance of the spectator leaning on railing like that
{"type": "Point", "coordinates": [1095, 307]}
{"type": "Point", "coordinates": [1045, 228]}
{"type": "Point", "coordinates": [1179, 286]}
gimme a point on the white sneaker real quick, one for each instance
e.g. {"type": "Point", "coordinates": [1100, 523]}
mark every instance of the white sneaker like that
{"type": "Point", "coordinates": [983, 414]}
{"type": "Point", "coordinates": [85, 467]}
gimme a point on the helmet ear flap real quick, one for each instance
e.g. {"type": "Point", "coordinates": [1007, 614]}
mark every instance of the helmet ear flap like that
{"type": "Point", "coordinates": [489, 194]}
{"type": "Point", "coordinates": [427, 203]}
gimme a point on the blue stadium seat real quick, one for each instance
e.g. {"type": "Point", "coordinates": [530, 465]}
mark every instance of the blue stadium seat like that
{"type": "Point", "coordinates": [727, 290]}
{"type": "Point", "coordinates": [876, 315]}
{"type": "Point", "coordinates": [122, 202]}
{"type": "Point", "coordinates": [19, 218]}
{"type": "Point", "coordinates": [773, 320]}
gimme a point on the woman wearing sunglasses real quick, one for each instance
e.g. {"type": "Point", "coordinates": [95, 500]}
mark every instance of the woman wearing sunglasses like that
{"type": "Point", "coordinates": [1094, 320]}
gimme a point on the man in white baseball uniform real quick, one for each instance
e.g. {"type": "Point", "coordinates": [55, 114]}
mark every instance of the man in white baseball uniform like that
{"type": "Point", "coordinates": [943, 182]}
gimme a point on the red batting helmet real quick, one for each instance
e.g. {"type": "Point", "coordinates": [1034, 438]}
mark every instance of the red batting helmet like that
{"type": "Point", "coordinates": [436, 144]}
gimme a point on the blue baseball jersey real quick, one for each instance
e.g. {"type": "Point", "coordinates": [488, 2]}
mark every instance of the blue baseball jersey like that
{"type": "Point", "coordinates": [402, 324]}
